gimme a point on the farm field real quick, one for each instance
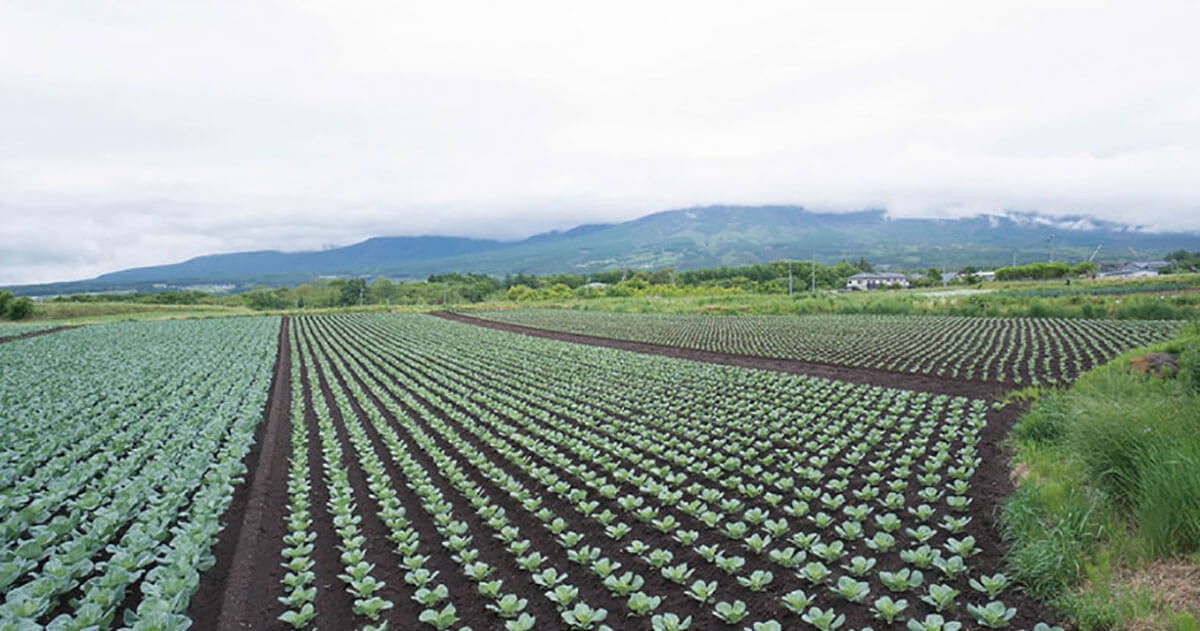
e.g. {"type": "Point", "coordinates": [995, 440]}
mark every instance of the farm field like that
{"type": "Point", "coordinates": [10, 332]}
{"type": "Point", "coordinates": [1018, 351]}
{"type": "Point", "coordinates": [404, 471]}
{"type": "Point", "coordinates": [120, 447]}
{"type": "Point", "coordinates": [459, 476]}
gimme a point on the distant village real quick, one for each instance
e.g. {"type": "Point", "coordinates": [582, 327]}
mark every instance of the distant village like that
{"type": "Point", "coordinates": [867, 281]}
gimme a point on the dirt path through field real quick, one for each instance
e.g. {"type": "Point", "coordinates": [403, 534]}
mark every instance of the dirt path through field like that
{"type": "Point", "coordinates": [239, 591]}
{"type": "Point", "coordinates": [889, 379]}
{"type": "Point", "coordinates": [23, 336]}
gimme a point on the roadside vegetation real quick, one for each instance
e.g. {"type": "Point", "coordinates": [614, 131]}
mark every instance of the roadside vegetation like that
{"type": "Point", "coordinates": [74, 313]}
{"type": "Point", "coordinates": [1105, 524]}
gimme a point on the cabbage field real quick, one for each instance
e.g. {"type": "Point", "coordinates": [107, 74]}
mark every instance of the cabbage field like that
{"type": "Point", "coordinates": [409, 472]}
{"type": "Point", "coordinates": [120, 447]}
{"type": "Point", "coordinates": [458, 476]}
{"type": "Point", "coordinates": [1023, 351]}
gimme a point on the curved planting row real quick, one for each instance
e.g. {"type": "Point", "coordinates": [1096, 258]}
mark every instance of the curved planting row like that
{"type": "Point", "coordinates": [553, 486]}
{"type": "Point", "coordinates": [1011, 350]}
{"type": "Point", "coordinates": [120, 446]}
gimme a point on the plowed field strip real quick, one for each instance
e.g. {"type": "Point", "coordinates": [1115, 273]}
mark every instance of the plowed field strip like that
{"type": "Point", "coordinates": [888, 379]}
{"type": "Point", "coordinates": [232, 593]}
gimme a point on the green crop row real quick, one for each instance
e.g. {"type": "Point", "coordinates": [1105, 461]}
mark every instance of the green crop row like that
{"type": "Point", "coordinates": [1011, 350]}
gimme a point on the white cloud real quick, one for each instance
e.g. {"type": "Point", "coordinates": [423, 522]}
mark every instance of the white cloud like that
{"type": "Point", "coordinates": [137, 133]}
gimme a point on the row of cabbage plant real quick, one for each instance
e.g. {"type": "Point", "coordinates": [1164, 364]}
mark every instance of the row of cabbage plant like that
{"type": "Point", "coordinates": [672, 510]}
{"type": "Point", "coordinates": [1017, 350]}
{"type": "Point", "coordinates": [122, 447]}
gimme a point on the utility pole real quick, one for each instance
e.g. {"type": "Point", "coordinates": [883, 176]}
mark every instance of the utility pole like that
{"type": "Point", "coordinates": [1051, 247]}
{"type": "Point", "coordinates": [814, 274]}
{"type": "Point", "coordinates": [789, 278]}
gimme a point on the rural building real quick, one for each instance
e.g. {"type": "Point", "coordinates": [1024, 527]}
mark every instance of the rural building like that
{"type": "Point", "coordinates": [864, 282]}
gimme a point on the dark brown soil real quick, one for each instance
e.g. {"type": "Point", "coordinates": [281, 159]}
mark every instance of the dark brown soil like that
{"type": "Point", "coordinates": [5, 340]}
{"type": "Point", "coordinates": [886, 378]}
{"type": "Point", "coordinates": [239, 591]}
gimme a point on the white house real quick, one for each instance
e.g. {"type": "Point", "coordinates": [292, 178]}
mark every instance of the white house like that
{"type": "Point", "coordinates": [863, 282]}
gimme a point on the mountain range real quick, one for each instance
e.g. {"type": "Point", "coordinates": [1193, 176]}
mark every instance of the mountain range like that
{"type": "Point", "coordinates": [681, 239]}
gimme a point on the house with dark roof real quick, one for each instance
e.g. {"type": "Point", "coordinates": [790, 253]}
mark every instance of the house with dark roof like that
{"type": "Point", "coordinates": [864, 282]}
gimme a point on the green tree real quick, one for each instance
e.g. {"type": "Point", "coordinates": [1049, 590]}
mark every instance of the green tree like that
{"type": "Point", "coordinates": [665, 276]}
{"type": "Point", "coordinates": [558, 291]}
{"type": "Point", "coordinates": [5, 297]}
{"type": "Point", "coordinates": [520, 293]}
{"type": "Point", "coordinates": [351, 291]}
{"type": "Point", "coordinates": [262, 299]}
{"type": "Point", "coordinates": [20, 308]}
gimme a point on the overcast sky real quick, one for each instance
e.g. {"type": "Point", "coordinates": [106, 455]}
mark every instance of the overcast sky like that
{"type": "Point", "coordinates": [136, 133]}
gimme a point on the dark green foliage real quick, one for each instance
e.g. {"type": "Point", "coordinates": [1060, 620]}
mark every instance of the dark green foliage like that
{"type": "Point", "coordinates": [351, 291]}
{"type": "Point", "coordinates": [5, 298]}
{"type": "Point", "coordinates": [20, 308]}
{"type": "Point", "coordinates": [156, 298]}
{"type": "Point", "coordinates": [1033, 271]}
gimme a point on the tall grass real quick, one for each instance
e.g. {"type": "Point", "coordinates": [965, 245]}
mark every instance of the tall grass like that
{"type": "Point", "coordinates": [1168, 506]}
{"type": "Point", "coordinates": [1115, 470]}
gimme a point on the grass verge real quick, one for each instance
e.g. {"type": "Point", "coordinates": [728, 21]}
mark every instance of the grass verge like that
{"type": "Point", "coordinates": [75, 313]}
{"type": "Point", "coordinates": [1105, 524]}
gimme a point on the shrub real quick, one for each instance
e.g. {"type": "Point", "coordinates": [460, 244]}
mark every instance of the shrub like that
{"type": "Point", "coordinates": [20, 308]}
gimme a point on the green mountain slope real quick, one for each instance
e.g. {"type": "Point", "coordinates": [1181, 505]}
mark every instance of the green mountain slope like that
{"type": "Point", "coordinates": [681, 239]}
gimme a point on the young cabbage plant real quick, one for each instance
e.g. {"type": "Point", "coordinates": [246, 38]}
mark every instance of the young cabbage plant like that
{"type": "Point", "coordinates": [583, 616]}
{"type": "Point", "coordinates": [640, 604]}
{"type": "Point", "coordinates": [757, 581]}
{"type": "Point", "coordinates": [440, 619]}
{"type": "Point", "coordinates": [941, 597]}
{"type": "Point", "coordinates": [731, 612]}
{"type": "Point", "coordinates": [994, 615]}
{"type": "Point", "coordinates": [524, 622]}
{"type": "Point", "coordinates": [702, 592]}
{"type": "Point", "coordinates": [670, 622]}
{"type": "Point", "coordinates": [850, 589]}
{"type": "Point", "coordinates": [933, 622]}
{"type": "Point", "coordinates": [508, 606]}
{"type": "Point", "coordinates": [889, 610]}
{"type": "Point", "coordinates": [990, 585]}
{"type": "Point", "coordinates": [824, 619]}
{"type": "Point", "coordinates": [796, 601]}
